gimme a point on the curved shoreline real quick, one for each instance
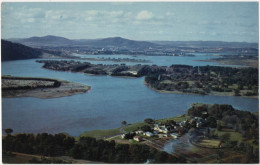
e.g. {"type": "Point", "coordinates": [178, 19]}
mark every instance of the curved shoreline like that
{"type": "Point", "coordinates": [66, 88]}
{"type": "Point", "coordinates": [210, 94]}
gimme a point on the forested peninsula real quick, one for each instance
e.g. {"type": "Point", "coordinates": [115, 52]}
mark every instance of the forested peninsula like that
{"type": "Point", "coordinates": [203, 80]}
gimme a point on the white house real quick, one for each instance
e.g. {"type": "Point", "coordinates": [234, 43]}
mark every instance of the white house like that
{"type": "Point", "coordinates": [160, 135]}
{"type": "Point", "coordinates": [149, 134]}
{"type": "Point", "coordinates": [162, 128]}
{"type": "Point", "coordinates": [137, 138]}
{"type": "Point", "coordinates": [174, 135]}
{"type": "Point", "coordinates": [139, 132]}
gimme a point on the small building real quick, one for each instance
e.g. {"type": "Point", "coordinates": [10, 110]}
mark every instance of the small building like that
{"type": "Point", "coordinates": [174, 135]}
{"type": "Point", "coordinates": [183, 124]}
{"type": "Point", "coordinates": [139, 132]}
{"type": "Point", "coordinates": [198, 124]}
{"type": "Point", "coordinates": [149, 134]}
{"type": "Point", "coordinates": [137, 138]}
{"type": "Point", "coordinates": [166, 135]}
{"type": "Point", "coordinates": [132, 72]}
{"type": "Point", "coordinates": [163, 128]}
{"type": "Point", "coordinates": [160, 135]}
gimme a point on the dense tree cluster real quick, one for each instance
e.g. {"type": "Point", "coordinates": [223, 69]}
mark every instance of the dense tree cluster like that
{"type": "Point", "coordinates": [44, 160]}
{"type": "Point", "coordinates": [149, 121]}
{"type": "Point", "coordinates": [107, 151]}
{"type": "Point", "coordinates": [87, 148]}
{"type": "Point", "coordinates": [42, 144]}
{"type": "Point", "coordinates": [204, 79]}
{"type": "Point", "coordinates": [183, 78]}
{"type": "Point", "coordinates": [218, 116]}
{"type": "Point", "coordinates": [241, 121]}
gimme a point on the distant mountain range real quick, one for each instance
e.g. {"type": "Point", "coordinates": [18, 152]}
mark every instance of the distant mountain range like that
{"type": "Point", "coordinates": [118, 42]}
{"type": "Point", "coordinates": [14, 51]}
{"type": "Point", "coordinates": [55, 41]}
{"type": "Point", "coordinates": [42, 41]}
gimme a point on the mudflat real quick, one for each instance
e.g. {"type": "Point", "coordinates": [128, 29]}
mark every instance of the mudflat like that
{"type": "Point", "coordinates": [43, 88]}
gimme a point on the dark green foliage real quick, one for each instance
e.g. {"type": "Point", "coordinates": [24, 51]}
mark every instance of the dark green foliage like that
{"type": "Point", "coordinates": [252, 155]}
{"type": "Point", "coordinates": [124, 122]}
{"type": "Point", "coordinates": [13, 51]}
{"type": "Point", "coordinates": [129, 135]}
{"type": "Point", "coordinates": [198, 110]}
{"type": "Point", "coordinates": [109, 152]}
{"type": "Point", "coordinates": [8, 131]}
{"type": "Point", "coordinates": [44, 160]}
{"type": "Point", "coordinates": [119, 69]}
{"type": "Point", "coordinates": [219, 126]}
{"type": "Point", "coordinates": [211, 122]}
{"type": "Point", "coordinates": [146, 128]}
{"type": "Point", "coordinates": [149, 121]}
{"type": "Point", "coordinates": [204, 81]}
{"type": "Point", "coordinates": [42, 144]}
{"type": "Point", "coordinates": [241, 121]}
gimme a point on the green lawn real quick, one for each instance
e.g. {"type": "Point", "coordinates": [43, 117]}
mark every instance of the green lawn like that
{"type": "Point", "coordinates": [234, 136]}
{"type": "Point", "coordinates": [101, 133]}
{"type": "Point", "coordinates": [176, 118]}
{"type": "Point", "coordinates": [134, 126]}
{"type": "Point", "coordinates": [167, 82]}
{"type": "Point", "coordinates": [128, 128]}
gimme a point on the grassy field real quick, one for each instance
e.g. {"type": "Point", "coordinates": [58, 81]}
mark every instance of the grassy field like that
{"type": "Point", "coordinates": [176, 118]}
{"type": "Point", "coordinates": [101, 133]}
{"type": "Point", "coordinates": [128, 128]}
{"type": "Point", "coordinates": [234, 136]}
{"type": "Point", "coordinates": [134, 127]}
{"type": "Point", "coordinates": [209, 143]}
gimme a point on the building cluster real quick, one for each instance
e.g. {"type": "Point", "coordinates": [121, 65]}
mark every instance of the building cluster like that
{"type": "Point", "coordinates": [168, 130]}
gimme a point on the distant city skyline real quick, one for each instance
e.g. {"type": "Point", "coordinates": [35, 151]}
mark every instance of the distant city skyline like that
{"type": "Point", "coordinates": [162, 21]}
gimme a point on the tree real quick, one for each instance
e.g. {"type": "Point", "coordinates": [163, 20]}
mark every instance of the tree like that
{"type": "Point", "coordinates": [146, 128]}
{"type": "Point", "coordinates": [237, 92]}
{"type": "Point", "coordinates": [219, 126]}
{"type": "Point", "coordinates": [148, 120]}
{"type": "Point", "coordinates": [124, 122]}
{"type": "Point", "coordinates": [8, 131]}
{"type": "Point", "coordinates": [220, 155]}
{"type": "Point", "coordinates": [160, 157]}
{"type": "Point", "coordinates": [211, 122]}
{"type": "Point", "coordinates": [225, 137]}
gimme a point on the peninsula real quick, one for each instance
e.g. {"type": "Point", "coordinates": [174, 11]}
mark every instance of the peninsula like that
{"type": "Point", "coordinates": [43, 88]}
{"type": "Point", "coordinates": [203, 80]}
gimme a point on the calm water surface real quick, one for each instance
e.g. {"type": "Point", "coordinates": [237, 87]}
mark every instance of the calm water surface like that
{"type": "Point", "coordinates": [110, 101]}
{"type": "Point", "coordinates": [161, 60]}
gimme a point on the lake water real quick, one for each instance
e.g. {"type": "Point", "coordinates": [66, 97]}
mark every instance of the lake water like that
{"type": "Point", "coordinates": [110, 101]}
{"type": "Point", "coordinates": [162, 60]}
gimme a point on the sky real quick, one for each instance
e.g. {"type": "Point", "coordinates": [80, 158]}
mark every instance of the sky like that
{"type": "Point", "coordinates": [165, 21]}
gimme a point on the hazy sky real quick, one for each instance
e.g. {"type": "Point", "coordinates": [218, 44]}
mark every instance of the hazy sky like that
{"type": "Point", "coordinates": [222, 21]}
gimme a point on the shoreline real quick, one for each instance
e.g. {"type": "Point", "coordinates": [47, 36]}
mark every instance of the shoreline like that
{"type": "Point", "coordinates": [65, 89]}
{"type": "Point", "coordinates": [234, 62]}
{"type": "Point", "coordinates": [210, 94]}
